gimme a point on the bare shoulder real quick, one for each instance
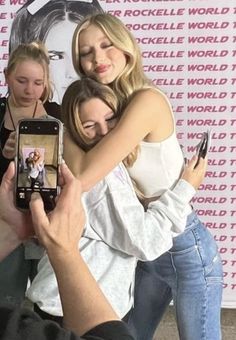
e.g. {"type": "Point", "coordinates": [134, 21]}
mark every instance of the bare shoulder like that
{"type": "Point", "coordinates": [153, 105]}
{"type": "Point", "coordinates": [151, 98]}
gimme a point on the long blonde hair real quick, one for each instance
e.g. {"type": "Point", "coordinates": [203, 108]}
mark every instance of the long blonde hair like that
{"type": "Point", "coordinates": [37, 52]}
{"type": "Point", "coordinates": [132, 79]}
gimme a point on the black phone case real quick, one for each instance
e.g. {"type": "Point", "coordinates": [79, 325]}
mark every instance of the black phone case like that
{"type": "Point", "coordinates": [203, 146]}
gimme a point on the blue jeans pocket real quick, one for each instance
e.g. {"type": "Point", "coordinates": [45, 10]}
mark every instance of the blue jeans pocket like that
{"type": "Point", "coordinates": [195, 251]}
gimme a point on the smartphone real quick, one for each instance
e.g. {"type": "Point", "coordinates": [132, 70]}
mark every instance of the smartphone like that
{"type": "Point", "coordinates": [38, 155]}
{"type": "Point", "coordinates": [204, 145]}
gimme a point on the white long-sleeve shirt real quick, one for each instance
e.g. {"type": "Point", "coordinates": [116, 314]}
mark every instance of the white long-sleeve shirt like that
{"type": "Point", "coordinates": [118, 232]}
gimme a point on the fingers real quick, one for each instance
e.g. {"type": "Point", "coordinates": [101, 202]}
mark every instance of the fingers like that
{"type": "Point", "coordinates": [36, 206]}
{"type": "Point", "coordinates": [61, 180]}
{"type": "Point", "coordinates": [38, 214]}
{"type": "Point", "coordinates": [195, 163]}
{"type": "Point", "coordinates": [192, 162]}
{"type": "Point", "coordinates": [10, 173]}
{"type": "Point", "coordinates": [203, 164]}
{"type": "Point", "coordinates": [9, 148]}
{"type": "Point", "coordinates": [70, 184]}
{"type": "Point", "coordinates": [66, 173]}
{"type": "Point", "coordinates": [71, 187]}
{"type": "Point", "coordinates": [7, 180]}
{"type": "Point", "coordinates": [194, 174]}
{"type": "Point", "coordinates": [61, 229]}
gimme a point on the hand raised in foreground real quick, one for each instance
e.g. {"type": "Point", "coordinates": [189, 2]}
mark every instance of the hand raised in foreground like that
{"type": "Point", "coordinates": [15, 226]}
{"type": "Point", "coordinates": [19, 222]}
{"type": "Point", "coordinates": [60, 230]}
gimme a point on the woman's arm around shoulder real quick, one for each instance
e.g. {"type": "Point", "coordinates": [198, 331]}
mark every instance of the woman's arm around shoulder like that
{"type": "Point", "coordinates": [72, 154]}
{"type": "Point", "coordinates": [148, 116]}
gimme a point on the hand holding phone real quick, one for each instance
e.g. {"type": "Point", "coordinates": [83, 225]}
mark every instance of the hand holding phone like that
{"type": "Point", "coordinates": [204, 145]}
{"type": "Point", "coordinates": [38, 155]}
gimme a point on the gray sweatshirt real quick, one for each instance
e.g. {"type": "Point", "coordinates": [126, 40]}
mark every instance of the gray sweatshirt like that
{"type": "Point", "coordinates": [118, 232]}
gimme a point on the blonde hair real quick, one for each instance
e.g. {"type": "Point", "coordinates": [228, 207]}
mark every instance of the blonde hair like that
{"type": "Point", "coordinates": [37, 52]}
{"type": "Point", "coordinates": [76, 94]}
{"type": "Point", "coordinates": [132, 78]}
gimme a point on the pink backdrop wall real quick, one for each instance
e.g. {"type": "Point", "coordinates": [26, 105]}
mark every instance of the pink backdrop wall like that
{"type": "Point", "coordinates": [189, 51]}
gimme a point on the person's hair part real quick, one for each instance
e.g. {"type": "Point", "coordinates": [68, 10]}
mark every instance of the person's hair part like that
{"type": "Point", "coordinates": [79, 92]}
{"type": "Point", "coordinates": [36, 52]}
{"type": "Point", "coordinates": [27, 27]}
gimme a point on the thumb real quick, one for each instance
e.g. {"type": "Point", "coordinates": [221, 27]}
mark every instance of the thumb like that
{"type": "Point", "coordinates": [7, 180]}
{"type": "Point", "coordinates": [37, 209]}
{"type": "Point", "coordinates": [192, 162]}
{"type": "Point", "coordinates": [9, 174]}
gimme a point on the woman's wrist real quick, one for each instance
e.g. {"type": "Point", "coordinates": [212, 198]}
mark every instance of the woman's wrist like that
{"type": "Point", "coordinates": [59, 256]}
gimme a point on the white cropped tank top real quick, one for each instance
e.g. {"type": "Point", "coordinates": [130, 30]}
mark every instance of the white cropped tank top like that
{"type": "Point", "coordinates": [158, 165]}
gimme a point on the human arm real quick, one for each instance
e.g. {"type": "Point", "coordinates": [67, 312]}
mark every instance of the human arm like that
{"type": "Point", "coordinates": [72, 154]}
{"type": "Point", "coordinates": [145, 114]}
{"type": "Point", "coordinates": [15, 226]}
{"type": "Point", "coordinates": [118, 217]}
{"type": "Point", "coordinates": [23, 323]}
{"type": "Point", "coordinates": [60, 232]}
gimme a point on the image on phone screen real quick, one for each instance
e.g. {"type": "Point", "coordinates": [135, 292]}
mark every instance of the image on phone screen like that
{"type": "Point", "coordinates": [37, 161]}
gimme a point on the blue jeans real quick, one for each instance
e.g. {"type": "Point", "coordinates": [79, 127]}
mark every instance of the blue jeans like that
{"type": "Point", "coordinates": [191, 275]}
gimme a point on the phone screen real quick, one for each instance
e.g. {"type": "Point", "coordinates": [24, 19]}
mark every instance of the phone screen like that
{"type": "Point", "coordinates": [38, 155]}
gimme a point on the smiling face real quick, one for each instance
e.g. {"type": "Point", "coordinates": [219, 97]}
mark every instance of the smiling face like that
{"type": "Point", "coordinates": [99, 58]}
{"type": "Point", "coordinates": [58, 43]}
{"type": "Point", "coordinates": [26, 83]}
{"type": "Point", "coordinates": [97, 118]}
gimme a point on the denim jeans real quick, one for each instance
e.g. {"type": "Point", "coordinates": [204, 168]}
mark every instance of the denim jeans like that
{"type": "Point", "coordinates": [191, 275]}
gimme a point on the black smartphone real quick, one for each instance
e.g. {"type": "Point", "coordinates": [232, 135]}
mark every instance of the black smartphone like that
{"type": "Point", "coordinates": [38, 155]}
{"type": "Point", "coordinates": [204, 145]}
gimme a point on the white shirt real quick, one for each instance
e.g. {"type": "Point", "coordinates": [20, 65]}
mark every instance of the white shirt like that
{"type": "Point", "coordinates": [159, 164]}
{"type": "Point", "coordinates": [35, 170]}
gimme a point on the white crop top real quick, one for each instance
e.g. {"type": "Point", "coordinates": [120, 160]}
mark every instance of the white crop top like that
{"type": "Point", "coordinates": [158, 166]}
